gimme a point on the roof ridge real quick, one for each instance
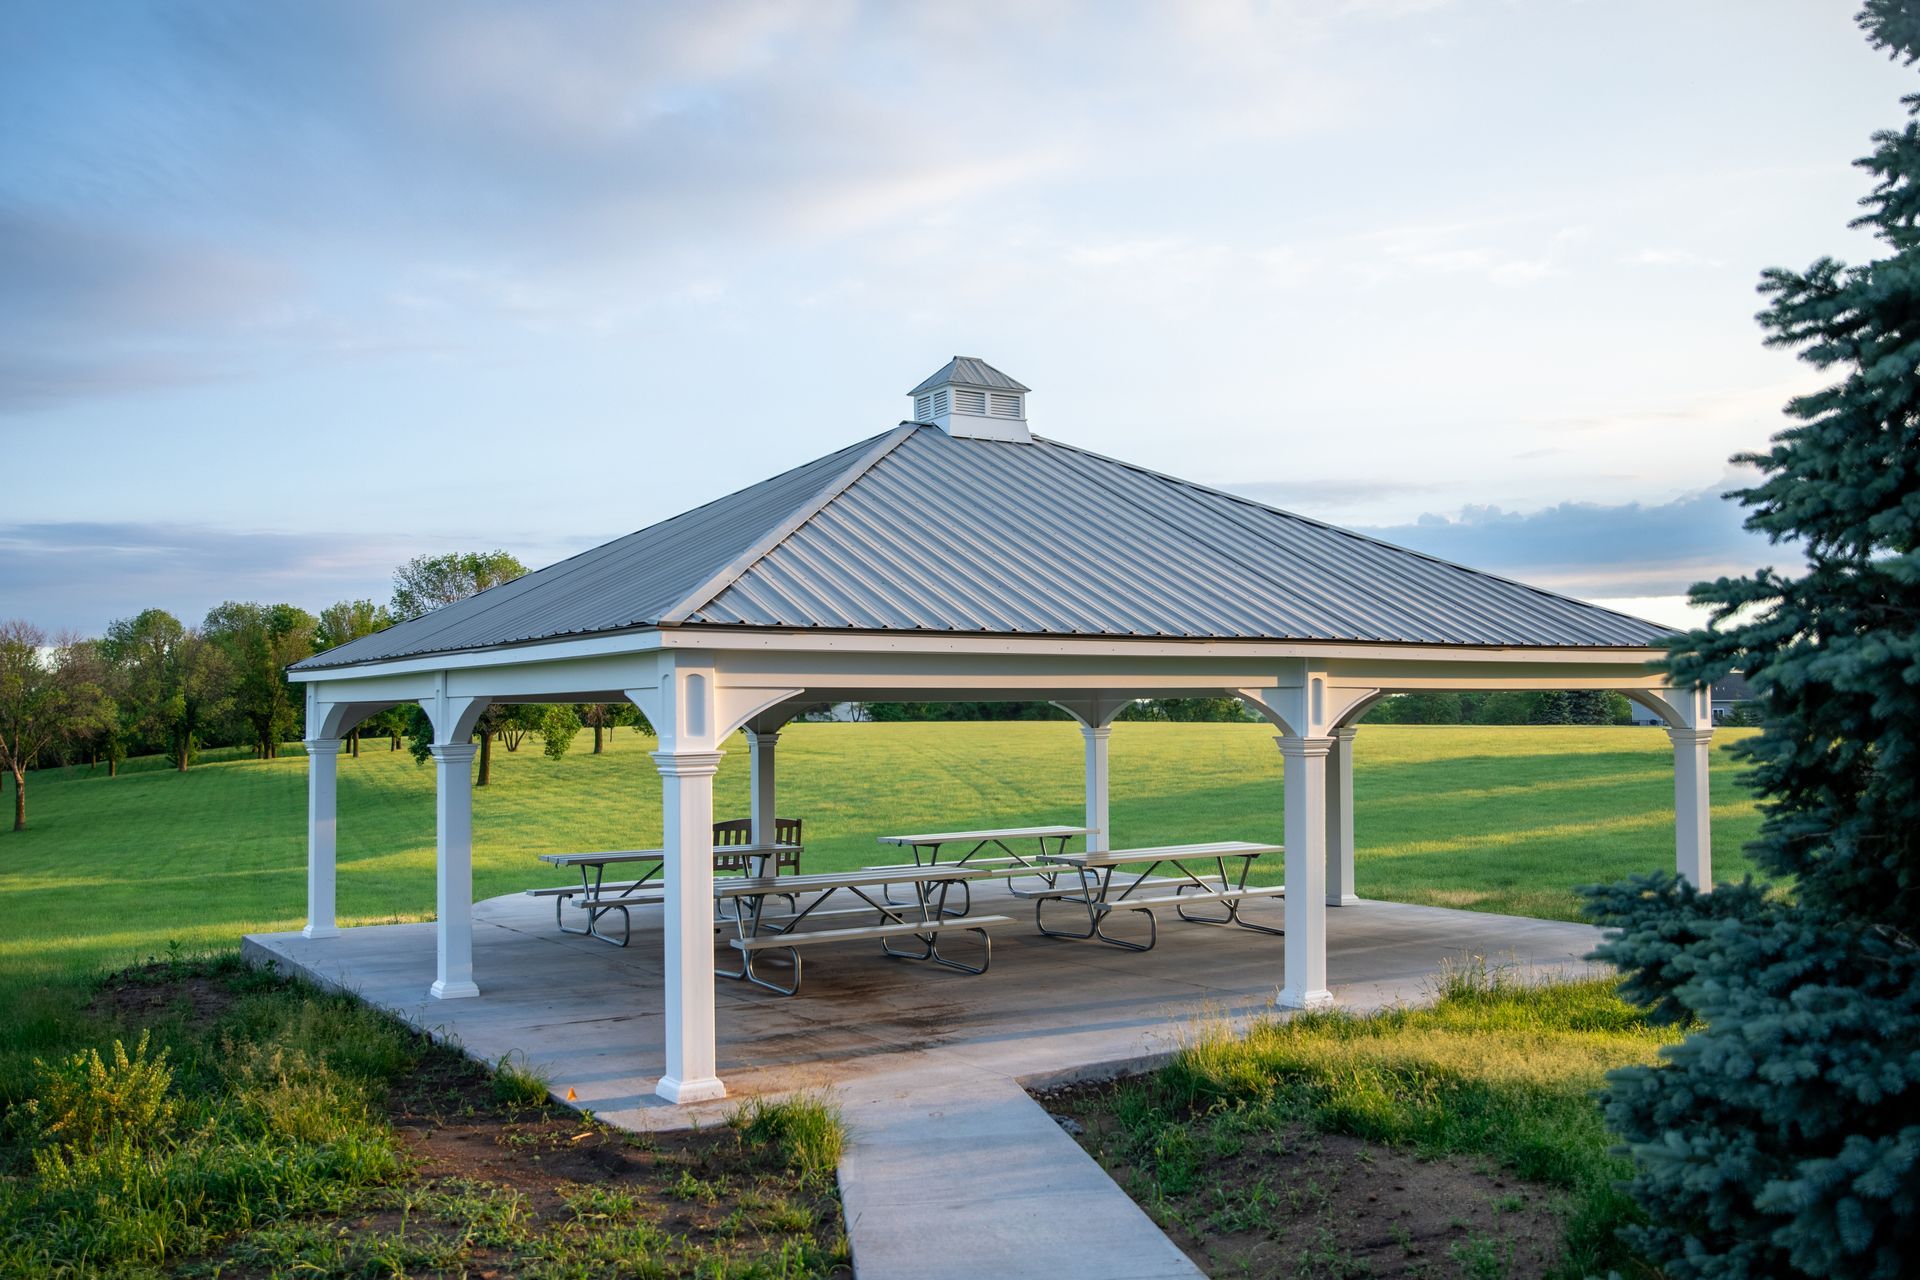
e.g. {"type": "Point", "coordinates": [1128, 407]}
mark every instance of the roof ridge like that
{"type": "Point", "coordinates": [732, 571]}
{"type": "Point", "coordinates": [1243, 500]}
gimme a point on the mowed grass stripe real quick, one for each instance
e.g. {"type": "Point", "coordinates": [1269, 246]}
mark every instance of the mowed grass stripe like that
{"type": "Point", "coordinates": [1499, 819]}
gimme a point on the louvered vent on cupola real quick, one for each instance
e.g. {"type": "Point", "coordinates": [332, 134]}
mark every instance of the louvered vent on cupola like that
{"type": "Point", "coordinates": [971, 398]}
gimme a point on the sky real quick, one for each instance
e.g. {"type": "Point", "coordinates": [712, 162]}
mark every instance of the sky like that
{"type": "Point", "coordinates": [290, 294]}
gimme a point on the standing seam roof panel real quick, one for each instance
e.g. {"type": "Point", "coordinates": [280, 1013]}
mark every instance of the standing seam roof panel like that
{"type": "Point", "coordinates": [961, 535]}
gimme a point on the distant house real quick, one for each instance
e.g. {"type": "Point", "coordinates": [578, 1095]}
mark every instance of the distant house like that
{"type": "Point", "coordinates": [1730, 696]}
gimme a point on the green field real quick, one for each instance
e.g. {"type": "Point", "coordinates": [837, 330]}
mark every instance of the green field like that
{"type": "Point", "coordinates": [1494, 819]}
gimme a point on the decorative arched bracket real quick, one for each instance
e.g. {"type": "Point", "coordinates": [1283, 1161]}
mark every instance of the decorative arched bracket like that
{"type": "Point", "coordinates": [453, 718]}
{"type": "Point", "coordinates": [1095, 711]}
{"type": "Point", "coordinates": [1690, 708]}
{"type": "Point", "coordinates": [335, 719]}
{"type": "Point", "coordinates": [1312, 709]}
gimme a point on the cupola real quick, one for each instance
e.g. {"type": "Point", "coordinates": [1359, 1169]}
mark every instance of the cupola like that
{"type": "Point", "coordinates": [971, 398]}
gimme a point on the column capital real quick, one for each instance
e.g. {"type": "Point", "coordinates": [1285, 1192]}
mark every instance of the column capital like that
{"type": "Point", "coordinates": [322, 746]}
{"type": "Point", "coordinates": [1294, 748]}
{"type": "Point", "coordinates": [454, 752]}
{"type": "Point", "coordinates": [761, 736]}
{"type": "Point", "coordinates": [686, 764]}
{"type": "Point", "coordinates": [1097, 730]}
{"type": "Point", "coordinates": [1689, 737]}
{"type": "Point", "coordinates": [1347, 732]}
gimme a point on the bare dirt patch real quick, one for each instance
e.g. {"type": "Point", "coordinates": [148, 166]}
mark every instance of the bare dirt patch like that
{"type": "Point", "coordinates": [161, 990]}
{"type": "Point", "coordinates": [1292, 1202]}
{"type": "Point", "coordinates": [498, 1188]}
{"type": "Point", "coordinates": [709, 1187]}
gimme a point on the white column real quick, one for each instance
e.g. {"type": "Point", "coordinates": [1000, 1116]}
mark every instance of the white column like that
{"type": "Point", "coordinates": [1340, 891]}
{"type": "Point", "coordinates": [1305, 779]}
{"type": "Point", "coordinates": [1096, 738]}
{"type": "Point", "coordinates": [686, 795]}
{"type": "Point", "coordinates": [1692, 806]}
{"type": "Point", "coordinates": [761, 783]}
{"type": "Point", "coordinates": [323, 755]}
{"type": "Point", "coordinates": [453, 811]}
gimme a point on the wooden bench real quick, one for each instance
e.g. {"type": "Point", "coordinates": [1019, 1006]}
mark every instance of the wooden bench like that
{"type": "Point", "coordinates": [731, 833]}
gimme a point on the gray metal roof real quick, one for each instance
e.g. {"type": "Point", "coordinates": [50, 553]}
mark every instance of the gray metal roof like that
{"type": "Point", "coordinates": [917, 530]}
{"type": "Point", "coordinates": [968, 371]}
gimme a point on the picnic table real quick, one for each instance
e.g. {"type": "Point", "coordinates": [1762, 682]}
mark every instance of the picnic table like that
{"type": "Point", "coordinates": [926, 849]}
{"type": "Point", "coordinates": [924, 919]}
{"type": "Point", "coordinates": [1196, 873]}
{"type": "Point", "coordinates": [599, 898]}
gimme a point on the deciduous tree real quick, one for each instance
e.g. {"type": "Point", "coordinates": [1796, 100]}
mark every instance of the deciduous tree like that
{"type": "Point", "coordinates": [44, 693]}
{"type": "Point", "coordinates": [178, 685]}
{"type": "Point", "coordinates": [426, 583]}
{"type": "Point", "coordinates": [258, 643]}
{"type": "Point", "coordinates": [349, 620]}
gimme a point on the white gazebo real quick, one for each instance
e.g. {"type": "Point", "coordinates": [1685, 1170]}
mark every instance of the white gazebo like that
{"type": "Point", "coordinates": [959, 556]}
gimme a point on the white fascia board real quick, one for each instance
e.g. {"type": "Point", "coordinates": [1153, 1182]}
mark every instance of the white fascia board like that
{"type": "Point", "coordinates": [600, 677]}
{"type": "Point", "coordinates": [506, 655]}
{"type": "Point", "coordinates": [845, 653]}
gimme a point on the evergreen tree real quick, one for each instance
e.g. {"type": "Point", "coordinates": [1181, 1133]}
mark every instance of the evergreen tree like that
{"type": "Point", "coordinates": [1589, 706]}
{"type": "Point", "coordinates": [1782, 1136]}
{"type": "Point", "coordinates": [1553, 708]}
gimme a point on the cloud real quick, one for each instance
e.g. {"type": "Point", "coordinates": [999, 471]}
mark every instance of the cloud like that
{"type": "Point", "coordinates": [1669, 258]}
{"type": "Point", "coordinates": [1597, 550]}
{"type": "Point", "coordinates": [267, 183]}
{"type": "Point", "coordinates": [83, 574]}
{"type": "Point", "coordinates": [80, 575]}
{"type": "Point", "coordinates": [1306, 496]}
{"type": "Point", "coordinates": [102, 308]}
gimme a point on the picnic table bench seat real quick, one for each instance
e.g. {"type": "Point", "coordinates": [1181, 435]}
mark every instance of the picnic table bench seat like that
{"type": "Point", "coordinates": [813, 937]}
{"type": "Point", "coordinates": [1100, 897]}
{"type": "Point", "coordinates": [924, 918]}
{"type": "Point", "coordinates": [598, 898]}
{"type": "Point", "coordinates": [926, 846]}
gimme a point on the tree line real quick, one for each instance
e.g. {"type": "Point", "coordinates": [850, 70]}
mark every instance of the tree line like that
{"type": "Point", "coordinates": [155, 685]}
{"type": "Point", "coordinates": [1574, 707]}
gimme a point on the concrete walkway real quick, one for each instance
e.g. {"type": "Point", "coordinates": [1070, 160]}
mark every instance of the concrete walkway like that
{"type": "Point", "coordinates": [951, 1168]}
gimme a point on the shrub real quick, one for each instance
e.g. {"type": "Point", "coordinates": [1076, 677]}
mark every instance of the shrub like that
{"type": "Point", "coordinates": [85, 1102]}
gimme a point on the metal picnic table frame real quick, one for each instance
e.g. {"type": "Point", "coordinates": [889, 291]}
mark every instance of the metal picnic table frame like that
{"type": "Point", "coordinates": [1096, 872]}
{"type": "Point", "coordinates": [922, 919]}
{"type": "Point", "coordinates": [598, 902]}
{"type": "Point", "coordinates": [929, 844]}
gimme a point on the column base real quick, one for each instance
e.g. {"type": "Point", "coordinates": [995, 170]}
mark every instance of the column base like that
{"type": "Point", "coordinates": [1343, 900]}
{"type": "Point", "coordinates": [682, 1091]}
{"type": "Point", "coordinates": [444, 990]}
{"type": "Point", "coordinates": [320, 931]}
{"type": "Point", "coordinates": [1291, 999]}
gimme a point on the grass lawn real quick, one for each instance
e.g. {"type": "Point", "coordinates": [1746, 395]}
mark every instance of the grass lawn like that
{"type": "Point", "coordinates": [199, 1119]}
{"type": "Point", "coordinates": [303, 1134]}
{"type": "Point", "coordinates": [1459, 1140]}
{"type": "Point", "coordinates": [1495, 819]}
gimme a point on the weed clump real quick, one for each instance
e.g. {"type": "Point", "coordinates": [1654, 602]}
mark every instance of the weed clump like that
{"type": "Point", "coordinates": [517, 1083]}
{"type": "Point", "coordinates": [805, 1131]}
{"type": "Point", "coordinates": [85, 1102]}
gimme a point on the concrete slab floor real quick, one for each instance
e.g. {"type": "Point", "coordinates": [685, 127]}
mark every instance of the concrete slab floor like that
{"type": "Point", "coordinates": [948, 1156]}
